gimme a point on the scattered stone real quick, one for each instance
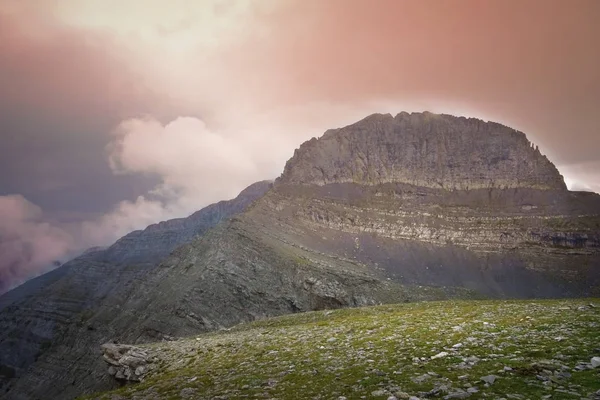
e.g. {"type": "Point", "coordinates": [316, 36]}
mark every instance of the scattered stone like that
{"type": "Point", "coordinates": [472, 390]}
{"type": "Point", "coordinates": [378, 393]}
{"type": "Point", "coordinates": [581, 367]}
{"type": "Point", "coordinates": [392, 398]}
{"type": "Point", "coordinates": [457, 395]}
{"type": "Point", "coordinates": [402, 395]}
{"type": "Point", "coordinates": [439, 355]}
{"type": "Point", "coordinates": [595, 361]}
{"type": "Point", "coordinates": [472, 359]}
{"type": "Point", "coordinates": [457, 346]}
{"type": "Point", "coordinates": [507, 369]}
{"type": "Point", "coordinates": [421, 378]}
{"type": "Point", "coordinates": [331, 340]}
{"type": "Point", "coordinates": [187, 392]}
{"type": "Point", "coordinates": [489, 379]}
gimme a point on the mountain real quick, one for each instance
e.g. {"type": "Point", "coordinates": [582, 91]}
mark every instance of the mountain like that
{"type": "Point", "coordinates": [35, 316]}
{"type": "Point", "coordinates": [390, 209]}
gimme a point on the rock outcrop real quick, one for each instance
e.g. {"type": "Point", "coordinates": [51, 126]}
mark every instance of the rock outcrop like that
{"type": "Point", "coordinates": [390, 209]}
{"type": "Point", "coordinates": [424, 150]}
{"type": "Point", "coordinates": [127, 363]}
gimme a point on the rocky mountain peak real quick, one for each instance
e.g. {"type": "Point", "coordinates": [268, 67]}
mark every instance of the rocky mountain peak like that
{"type": "Point", "coordinates": [423, 149]}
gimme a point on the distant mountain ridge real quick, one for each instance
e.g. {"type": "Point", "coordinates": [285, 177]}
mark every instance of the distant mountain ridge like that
{"type": "Point", "coordinates": [390, 209]}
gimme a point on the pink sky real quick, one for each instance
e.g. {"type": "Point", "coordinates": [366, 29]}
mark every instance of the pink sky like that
{"type": "Point", "coordinates": [191, 101]}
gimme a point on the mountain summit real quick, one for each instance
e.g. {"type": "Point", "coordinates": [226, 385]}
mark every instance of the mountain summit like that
{"type": "Point", "coordinates": [390, 209]}
{"type": "Point", "coordinates": [426, 150]}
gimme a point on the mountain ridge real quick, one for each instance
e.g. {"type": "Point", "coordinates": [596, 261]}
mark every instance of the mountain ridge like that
{"type": "Point", "coordinates": [331, 233]}
{"type": "Point", "coordinates": [423, 149]}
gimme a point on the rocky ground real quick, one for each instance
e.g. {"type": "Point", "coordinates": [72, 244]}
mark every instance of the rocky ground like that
{"type": "Point", "coordinates": [515, 350]}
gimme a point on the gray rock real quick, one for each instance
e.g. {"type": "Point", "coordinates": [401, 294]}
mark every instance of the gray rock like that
{"type": "Point", "coordinates": [187, 393]}
{"type": "Point", "coordinates": [126, 362]}
{"type": "Point", "coordinates": [595, 361]}
{"type": "Point", "coordinates": [355, 154]}
{"type": "Point", "coordinates": [489, 379]}
{"type": "Point", "coordinates": [421, 378]}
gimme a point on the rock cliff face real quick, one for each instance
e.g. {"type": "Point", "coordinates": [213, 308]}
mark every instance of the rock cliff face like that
{"type": "Point", "coordinates": [36, 317]}
{"type": "Point", "coordinates": [425, 150]}
{"type": "Point", "coordinates": [390, 209]}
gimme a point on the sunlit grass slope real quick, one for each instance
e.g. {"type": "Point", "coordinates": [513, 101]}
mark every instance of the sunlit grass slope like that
{"type": "Point", "coordinates": [476, 349]}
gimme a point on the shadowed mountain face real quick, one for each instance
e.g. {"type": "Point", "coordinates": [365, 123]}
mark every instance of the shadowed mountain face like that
{"type": "Point", "coordinates": [36, 315]}
{"type": "Point", "coordinates": [390, 209]}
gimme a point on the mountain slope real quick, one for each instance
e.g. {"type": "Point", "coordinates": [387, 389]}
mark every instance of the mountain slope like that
{"type": "Point", "coordinates": [37, 316]}
{"type": "Point", "coordinates": [477, 349]}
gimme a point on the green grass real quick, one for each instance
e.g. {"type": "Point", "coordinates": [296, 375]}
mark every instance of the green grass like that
{"type": "Point", "coordinates": [376, 352]}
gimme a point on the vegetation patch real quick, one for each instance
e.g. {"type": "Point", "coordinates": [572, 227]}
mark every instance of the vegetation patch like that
{"type": "Point", "coordinates": [543, 349]}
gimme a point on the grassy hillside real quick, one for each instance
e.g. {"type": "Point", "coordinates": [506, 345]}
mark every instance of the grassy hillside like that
{"type": "Point", "coordinates": [477, 349]}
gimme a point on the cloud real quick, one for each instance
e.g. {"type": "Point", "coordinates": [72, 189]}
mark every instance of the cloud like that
{"type": "Point", "coordinates": [194, 166]}
{"type": "Point", "coordinates": [28, 243]}
{"type": "Point", "coordinates": [582, 176]}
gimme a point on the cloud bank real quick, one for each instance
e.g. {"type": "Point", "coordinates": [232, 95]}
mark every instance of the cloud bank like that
{"type": "Point", "coordinates": [28, 243]}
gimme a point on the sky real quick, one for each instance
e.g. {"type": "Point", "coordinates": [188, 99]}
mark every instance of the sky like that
{"type": "Point", "coordinates": [115, 114]}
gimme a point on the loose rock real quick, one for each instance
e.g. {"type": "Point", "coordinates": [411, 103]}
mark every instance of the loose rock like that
{"type": "Point", "coordinates": [489, 379]}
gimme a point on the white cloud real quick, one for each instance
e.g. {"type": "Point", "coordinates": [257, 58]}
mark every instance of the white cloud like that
{"type": "Point", "coordinates": [582, 176]}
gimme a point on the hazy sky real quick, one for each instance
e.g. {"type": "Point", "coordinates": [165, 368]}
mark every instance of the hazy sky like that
{"type": "Point", "coordinates": [118, 113]}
